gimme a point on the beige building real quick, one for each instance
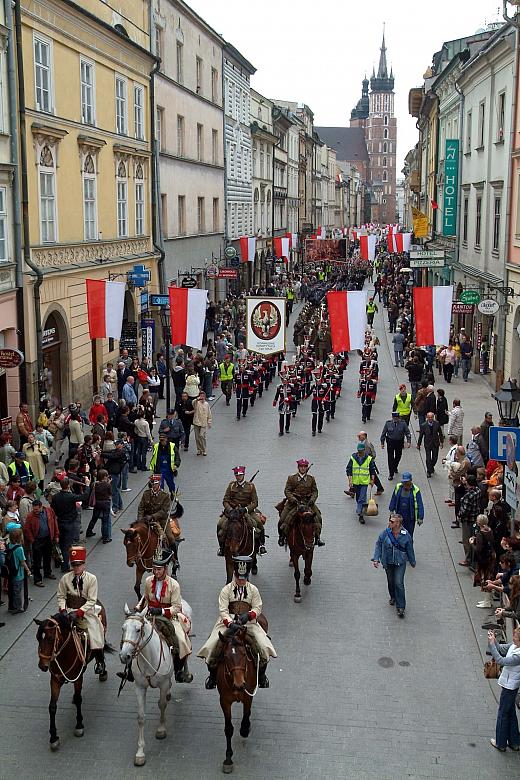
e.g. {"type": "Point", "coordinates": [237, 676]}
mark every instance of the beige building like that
{"type": "Point", "coordinates": [86, 72]}
{"type": "Point", "coordinates": [263, 141]}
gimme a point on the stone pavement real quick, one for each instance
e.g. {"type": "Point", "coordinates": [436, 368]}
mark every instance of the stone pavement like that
{"type": "Point", "coordinates": [355, 692]}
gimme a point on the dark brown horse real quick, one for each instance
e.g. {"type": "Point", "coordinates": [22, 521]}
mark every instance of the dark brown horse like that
{"type": "Point", "coordinates": [240, 540]}
{"type": "Point", "coordinates": [237, 681]}
{"type": "Point", "coordinates": [300, 539]}
{"type": "Point", "coordinates": [63, 652]}
{"type": "Point", "coordinates": [141, 540]}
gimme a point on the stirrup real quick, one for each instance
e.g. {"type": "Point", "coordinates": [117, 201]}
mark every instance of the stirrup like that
{"type": "Point", "coordinates": [262, 550]}
{"type": "Point", "coordinates": [281, 541]}
{"type": "Point", "coordinates": [319, 542]}
{"type": "Point", "coordinates": [183, 676]}
{"type": "Point", "coordinates": [221, 553]}
{"type": "Point", "coordinates": [211, 682]}
{"type": "Point", "coordinates": [263, 680]}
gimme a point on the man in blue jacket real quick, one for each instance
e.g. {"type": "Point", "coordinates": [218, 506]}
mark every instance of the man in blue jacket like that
{"type": "Point", "coordinates": [407, 501]}
{"type": "Point", "coordinates": [394, 549]}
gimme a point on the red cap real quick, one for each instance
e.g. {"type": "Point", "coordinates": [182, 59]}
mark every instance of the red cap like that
{"type": "Point", "coordinates": [239, 470]}
{"type": "Point", "coordinates": [302, 462]}
{"type": "Point", "coordinates": [77, 554]}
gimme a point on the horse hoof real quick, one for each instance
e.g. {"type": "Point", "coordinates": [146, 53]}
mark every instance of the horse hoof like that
{"type": "Point", "coordinates": [139, 761]}
{"type": "Point", "coordinates": [244, 733]}
{"type": "Point", "coordinates": [168, 697]}
{"type": "Point", "coordinates": [254, 569]}
{"type": "Point", "coordinates": [160, 734]}
{"type": "Point", "coordinates": [306, 581]}
{"type": "Point", "coordinates": [227, 768]}
{"type": "Point", "coordinates": [79, 732]}
{"type": "Point", "coordinates": [291, 564]}
{"type": "Point", "coordinates": [297, 599]}
{"type": "Point", "coordinates": [55, 745]}
{"type": "Point", "coordinates": [103, 677]}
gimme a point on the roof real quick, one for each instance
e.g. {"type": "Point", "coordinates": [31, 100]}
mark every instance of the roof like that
{"type": "Point", "coordinates": [349, 142]}
{"type": "Point", "coordinates": [233, 52]}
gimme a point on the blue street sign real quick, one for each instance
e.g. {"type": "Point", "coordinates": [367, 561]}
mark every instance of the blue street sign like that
{"type": "Point", "coordinates": [144, 300]}
{"type": "Point", "coordinates": [159, 300]}
{"type": "Point", "coordinates": [498, 442]}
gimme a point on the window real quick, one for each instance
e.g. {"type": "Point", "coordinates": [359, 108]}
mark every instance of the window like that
{"type": "Point", "coordinates": [90, 231]}
{"type": "Point", "coordinates": [164, 214]}
{"type": "Point", "coordinates": [180, 136]}
{"type": "Point", "coordinates": [180, 70]}
{"type": "Point", "coordinates": [481, 119]}
{"type": "Point", "coordinates": [181, 214]}
{"type": "Point", "coordinates": [386, 118]}
{"type": "Point", "coordinates": [47, 197]}
{"type": "Point", "coordinates": [214, 147]}
{"type": "Point", "coordinates": [384, 162]}
{"type": "Point", "coordinates": [200, 142]}
{"type": "Point", "coordinates": [121, 106]}
{"type": "Point", "coordinates": [501, 116]}
{"type": "Point", "coordinates": [43, 75]}
{"type": "Point", "coordinates": [122, 201]}
{"type": "Point", "coordinates": [158, 41]}
{"type": "Point", "coordinates": [201, 215]}
{"type": "Point", "coordinates": [385, 147]}
{"type": "Point", "coordinates": [465, 220]}
{"type": "Point", "coordinates": [385, 133]}
{"type": "Point", "coordinates": [468, 132]}
{"type": "Point", "coordinates": [88, 115]}
{"type": "Point", "coordinates": [216, 215]}
{"type": "Point", "coordinates": [262, 162]}
{"type": "Point", "coordinates": [214, 85]}
{"type": "Point", "coordinates": [385, 176]}
{"type": "Point", "coordinates": [139, 112]}
{"type": "Point", "coordinates": [139, 201]}
{"type": "Point", "coordinates": [3, 226]}
{"type": "Point", "coordinates": [496, 223]}
{"type": "Point", "coordinates": [198, 74]}
{"type": "Point", "coordinates": [159, 123]}
{"type": "Point", "coordinates": [478, 221]}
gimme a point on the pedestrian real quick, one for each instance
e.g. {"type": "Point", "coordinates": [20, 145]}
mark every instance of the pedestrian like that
{"type": "Point", "coordinates": [227, 371]}
{"type": "Point", "coordinates": [361, 473]}
{"type": "Point", "coordinates": [507, 657]}
{"type": "Point", "coordinates": [102, 502]}
{"type": "Point", "coordinates": [143, 438]}
{"type": "Point", "coordinates": [105, 388]}
{"type": "Point", "coordinates": [498, 519]}
{"type": "Point", "coordinates": [393, 435]}
{"type": "Point", "coordinates": [24, 423]}
{"type": "Point", "coordinates": [394, 549]}
{"type": "Point", "coordinates": [403, 404]}
{"type": "Point", "coordinates": [185, 411]}
{"type": "Point", "coordinates": [441, 409]}
{"type": "Point", "coordinates": [485, 425]}
{"type": "Point", "coordinates": [154, 384]}
{"type": "Point", "coordinates": [467, 515]}
{"type": "Point", "coordinates": [97, 409]}
{"type": "Point", "coordinates": [128, 392]}
{"type": "Point", "coordinates": [407, 502]}
{"type": "Point", "coordinates": [37, 455]}
{"type": "Point", "coordinates": [456, 421]}
{"type": "Point", "coordinates": [371, 309]}
{"type": "Point", "coordinates": [448, 365]}
{"type": "Point", "coordinates": [114, 461]}
{"type": "Point", "coordinates": [466, 353]}
{"type": "Point", "coordinates": [17, 569]}
{"type": "Point", "coordinates": [76, 437]}
{"type": "Point", "coordinates": [41, 532]}
{"type": "Point", "coordinates": [419, 403]}
{"type": "Point", "coordinates": [474, 448]}
{"type": "Point", "coordinates": [7, 451]}
{"type": "Point", "coordinates": [415, 370]}
{"type": "Point", "coordinates": [482, 543]}
{"type": "Point", "coordinates": [127, 448]}
{"type": "Point", "coordinates": [398, 341]}
{"type": "Point", "coordinates": [433, 437]}
{"type": "Point", "coordinates": [202, 420]}
{"type": "Point", "coordinates": [162, 373]}
{"type": "Point", "coordinates": [65, 505]}
{"type": "Point", "coordinates": [371, 450]}
{"type": "Point", "coordinates": [122, 374]}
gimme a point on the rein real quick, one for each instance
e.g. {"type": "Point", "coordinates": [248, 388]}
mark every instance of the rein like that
{"type": "Point", "coordinates": [228, 671]}
{"type": "Point", "coordinates": [81, 651]}
{"type": "Point", "coordinates": [138, 557]}
{"type": "Point", "coordinates": [138, 647]}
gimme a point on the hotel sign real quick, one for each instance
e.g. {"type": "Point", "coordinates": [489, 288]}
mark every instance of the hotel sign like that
{"type": "Point", "coordinates": [451, 186]}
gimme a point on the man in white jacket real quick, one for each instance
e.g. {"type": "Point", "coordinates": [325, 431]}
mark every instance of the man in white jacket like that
{"type": "Point", "coordinates": [202, 420]}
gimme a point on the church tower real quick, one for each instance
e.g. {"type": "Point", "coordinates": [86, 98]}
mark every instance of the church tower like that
{"type": "Point", "coordinates": [381, 140]}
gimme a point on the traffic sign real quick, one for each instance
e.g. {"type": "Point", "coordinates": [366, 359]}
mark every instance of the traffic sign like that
{"type": "Point", "coordinates": [10, 358]}
{"type": "Point", "coordinates": [189, 281]}
{"type": "Point", "coordinates": [510, 484]}
{"type": "Point", "coordinates": [498, 442]}
{"type": "Point", "coordinates": [488, 306]}
{"type": "Point", "coordinates": [159, 300]}
{"type": "Point", "coordinates": [144, 300]}
{"type": "Point", "coordinates": [470, 296]}
{"type": "Point", "coordinates": [234, 261]}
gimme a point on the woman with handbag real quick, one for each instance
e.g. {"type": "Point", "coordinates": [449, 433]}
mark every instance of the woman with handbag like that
{"type": "Point", "coordinates": [37, 456]}
{"type": "Point", "coordinates": [394, 549]}
{"type": "Point", "coordinates": [507, 656]}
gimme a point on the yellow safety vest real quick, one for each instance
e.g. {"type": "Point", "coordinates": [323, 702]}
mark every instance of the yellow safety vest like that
{"type": "Point", "coordinates": [404, 407]}
{"type": "Point", "coordinates": [415, 490]}
{"type": "Point", "coordinates": [371, 308]}
{"type": "Point", "coordinates": [153, 459]}
{"type": "Point", "coordinates": [361, 471]}
{"type": "Point", "coordinates": [226, 372]}
{"type": "Point", "coordinates": [290, 295]}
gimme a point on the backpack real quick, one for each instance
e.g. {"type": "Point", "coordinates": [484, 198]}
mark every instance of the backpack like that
{"type": "Point", "coordinates": [10, 563]}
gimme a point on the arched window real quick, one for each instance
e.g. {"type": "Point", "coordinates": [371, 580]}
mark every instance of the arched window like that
{"type": "Point", "coordinates": [256, 198]}
{"type": "Point", "coordinates": [385, 176]}
{"type": "Point", "coordinates": [384, 147]}
{"type": "Point", "coordinates": [89, 165]}
{"type": "Point", "coordinates": [386, 119]}
{"type": "Point", "coordinates": [385, 133]}
{"type": "Point", "coordinates": [384, 162]}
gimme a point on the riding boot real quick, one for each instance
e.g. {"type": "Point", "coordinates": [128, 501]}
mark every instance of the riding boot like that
{"type": "Point", "coordinates": [263, 680]}
{"type": "Point", "coordinates": [318, 541]}
{"type": "Point", "coordinates": [220, 551]}
{"type": "Point", "coordinates": [182, 673]}
{"type": "Point", "coordinates": [211, 680]}
{"type": "Point", "coordinates": [99, 667]}
{"type": "Point", "coordinates": [127, 673]}
{"type": "Point", "coordinates": [261, 548]}
{"type": "Point", "coordinates": [281, 539]}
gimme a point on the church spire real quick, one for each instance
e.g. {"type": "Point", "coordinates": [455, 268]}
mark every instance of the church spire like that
{"type": "Point", "coordinates": [382, 72]}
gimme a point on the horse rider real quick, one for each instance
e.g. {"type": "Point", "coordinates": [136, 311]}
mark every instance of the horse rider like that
{"type": "Point", "coordinates": [155, 503]}
{"type": "Point", "coordinates": [164, 461]}
{"type": "Point", "coordinates": [239, 602]}
{"type": "Point", "coordinates": [300, 488]}
{"type": "Point", "coordinates": [241, 495]}
{"type": "Point", "coordinates": [162, 596]}
{"type": "Point", "coordinates": [77, 596]}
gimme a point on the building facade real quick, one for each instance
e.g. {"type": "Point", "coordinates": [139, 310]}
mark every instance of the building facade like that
{"type": "Point", "coordinates": [263, 141]}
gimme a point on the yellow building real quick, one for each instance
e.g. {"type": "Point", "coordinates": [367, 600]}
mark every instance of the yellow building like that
{"type": "Point", "coordinates": [86, 74]}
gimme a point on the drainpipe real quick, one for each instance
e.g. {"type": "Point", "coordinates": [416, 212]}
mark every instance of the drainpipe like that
{"type": "Point", "coordinates": [17, 212]}
{"type": "Point", "coordinates": [24, 196]}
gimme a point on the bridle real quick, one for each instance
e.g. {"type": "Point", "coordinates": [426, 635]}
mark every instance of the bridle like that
{"type": "Point", "coordinates": [141, 546]}
{"type": "Point", "coordinates": [56, 651]}
{"type": "Point", "coordinates": [230, 670]}
{"type": "Point", "coordinates": [306, 545]}
{"type": "Point", "coordinates": [138, 646]}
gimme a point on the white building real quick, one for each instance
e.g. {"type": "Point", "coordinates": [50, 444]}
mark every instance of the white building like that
{"type": "Point", "coordinates": [293, 156]}
{"type": "Point", "coordinates": [189, 135]}
{"type": "Point", "coordinates": [263, 140]}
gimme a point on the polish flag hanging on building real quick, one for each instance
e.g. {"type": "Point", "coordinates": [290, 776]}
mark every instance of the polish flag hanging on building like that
{"type": "Point", "coordinates": [105, 302]}
{"type": "Point", "coordinates": [322, 231]}
{"type": "Point", "coordinates": [293, 240]}
{"type": "Point", "coordinates": [187, 314]}
{"type": "Point", "coordinates": [281, 248]}
{"type": "Point", "coordinates": [403, 241]}
{"type": "Point", "coordinates": [432, 312]}
{"type": "Point", "coordinates": [247, 250]}
{"type": "Point", "coordinates": [354, 234]}
{"type": "Point", "coordinates": [391, 243]}
{"type": "Point", "coordinates": [368, 247]}
{"type": "Point", "coordinates": [347, 316]}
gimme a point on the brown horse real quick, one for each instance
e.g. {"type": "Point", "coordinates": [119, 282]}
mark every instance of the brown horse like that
{"type": "Point", "coordinates": [141, 541]}
{"type": "Point", "coordinates": [300, 539]}
{"type": "Point", "coordinates": [237, 681]}
{"type": "Point", "coordinates": [240, 540]}
{"type": "Point", "coordinates": [63, 652]}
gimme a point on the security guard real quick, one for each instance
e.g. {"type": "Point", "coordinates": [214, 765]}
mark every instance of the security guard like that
{"type": "Point", "coordinates": [164, 461]}
{"type": "Point", "coordinates": [227, 372]}
{"type": "Point", "coordinates": [361, 473]}
{"type": "Point", "coordinates": [371, 310]}
{"type": "Point", "coordinates": [403, 404]}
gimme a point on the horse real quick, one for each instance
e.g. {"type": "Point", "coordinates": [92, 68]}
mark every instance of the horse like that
{"type": "Point", "coordinates": [141, 540]}
{"type": "Point", "coordinates": [237, 681]}
{"type": "Point", "coordinates": [64, 653]}
{"type": "Point", "coordinates": [241, 539]}
{"type": "Point", "coordinates": [153, 667]}
{"type": "Point", "coordinates": [300, 539]}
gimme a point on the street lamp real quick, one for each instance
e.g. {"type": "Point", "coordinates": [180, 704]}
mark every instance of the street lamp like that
{"type": "Point", "coordinates": [165, 322]}
{"type": "Point", "coordinates": [508, 403]}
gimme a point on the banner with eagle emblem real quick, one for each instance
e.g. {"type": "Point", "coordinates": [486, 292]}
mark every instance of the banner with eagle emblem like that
{"type": "Point", "coordinates": [265, 325]}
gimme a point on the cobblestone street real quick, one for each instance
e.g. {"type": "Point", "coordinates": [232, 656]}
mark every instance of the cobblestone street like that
{"type": "Point", "coordinates": [355, 692]}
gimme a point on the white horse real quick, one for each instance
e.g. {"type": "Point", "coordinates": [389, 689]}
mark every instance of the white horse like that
{"type": "Point", "coordinates": [152, 667]}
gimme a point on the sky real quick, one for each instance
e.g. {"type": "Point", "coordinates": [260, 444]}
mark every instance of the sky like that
{"type": "Point", "coordinates": [318, 52]}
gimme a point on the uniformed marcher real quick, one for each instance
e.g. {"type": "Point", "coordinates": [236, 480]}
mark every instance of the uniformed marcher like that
{"type": "Point", "coordinates": [300, 488]}
{"type": "Point", "coordinates": [155, 503]}
{"type": "Point", "coordinates": [77, 595]}
{"type": "Point", "coordinates": [239, 602]}
{"type": "Point", "coordinates": [284, 398]}
{"type": "Point", "coordinates": [242, 495]}
{"type": "Point", "coordinates": [319, 404]}
{"type": "Point", "coordinates": [242, 388]}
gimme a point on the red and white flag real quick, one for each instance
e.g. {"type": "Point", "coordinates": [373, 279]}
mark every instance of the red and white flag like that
{"type": "Point", "coordinates": [391, 242]}
{"type": "Point", "coordinates": [281, 248]}
{"type": "Point", "coordinates": [367, 245]}
{"type": "Point", "coordinates": [187, 313]}
{"type": "Point", "coordinates": [348, 318]}
{"type": "Point", "coordinates": [432, 313]}
{"type": "Point", "coordinates": [247, 250]}
{"type": "Point", "coordinates": [293, 240]}
{"type": "Point", "coordinates": [403, 241]}
{"type": "Point", "coordinates": [105, 302]}
{"type": "Point", "coordinates": [322, 231]}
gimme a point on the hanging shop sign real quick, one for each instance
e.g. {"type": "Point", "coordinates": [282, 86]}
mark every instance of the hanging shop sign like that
{"type": "Point", "coordinates": [227, 273]}
{"type": "Point", "coordinates": [451, 186]}
{"type": "Point", "coordinates": [10, 358]}
{"type": "Point", "coordinates": [189, 281]}
{"type": "Point", "coordinates": [470, 296]}
{"type": "Point", "coordinates": [488, 306]}
{"type": "Point", "coordinates": [462, 308]}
